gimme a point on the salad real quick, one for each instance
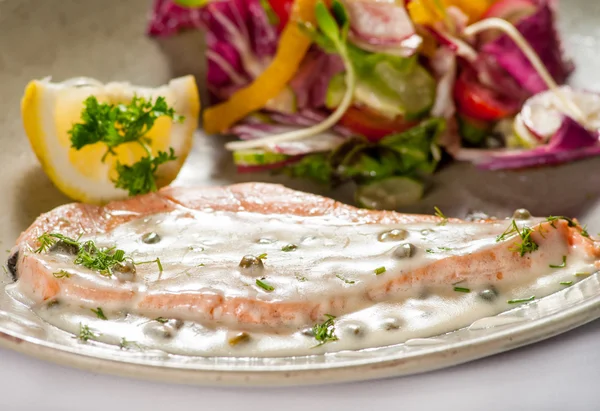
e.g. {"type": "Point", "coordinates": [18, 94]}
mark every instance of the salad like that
{"type": "Point", "coordinates": [380, 93]}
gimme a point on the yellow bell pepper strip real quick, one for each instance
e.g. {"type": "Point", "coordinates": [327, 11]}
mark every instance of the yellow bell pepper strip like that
{"type": "Point", "coordinates": [428, 12]}
{"type": "Point", "coordinates": [292, 48]}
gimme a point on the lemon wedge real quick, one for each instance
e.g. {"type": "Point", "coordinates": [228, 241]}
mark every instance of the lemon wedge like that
{"type": "Point", "coordinates": [49, 110]}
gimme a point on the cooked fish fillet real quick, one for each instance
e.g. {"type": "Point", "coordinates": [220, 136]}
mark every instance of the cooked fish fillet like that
{"type": "Point", "coordinates": [322, 257]}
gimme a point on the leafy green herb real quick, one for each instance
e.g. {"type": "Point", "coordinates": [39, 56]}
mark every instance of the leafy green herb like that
{"type": "Point", "coordinates": [563, 265]}
{"type": "Point", "coordinates": [263, 256]}
{"type": "Point", "coordinates": [410, 153]}
{"type": "Point", "coordinates": [89, 254]}
{"type": "Point", "coordinates": [102, 260]}
{"type": "Point", "coordinates": [582, 274]}
{"type": "Point", "coordinates": [126, 344]}
{"type": "Point", "coordinates": [241, 338]}
{"type": "Point", "coordinates": [156, 261]}
{"type": "Point", "coordinates": [438, 213]}
{"type": "Point", "coordinates": [301, 278]}
{"type": "Point", "coordinates": [553, 219]}
{"type": "Point", "coordinates": [99, 313]}
{"type": "Point", "coordinates": [5, 269]}
{"type": "Point", "coordinates": [117, 124]}
{"type": "Point", "coordinates": [567, 283]}
{"type": "Point", "coordinates": [345, 279]}
{"type": "Point", "coordinates": [584, 232]}
{"type": "Point", "coordinates": [521, 300]}
{"type": "Point", "coordinates": [62, 274]}
{"type": "Point", "coordinates": [432, 251]}
{"type": "Point", "coordinates": [527, 245]}
{"type": "Point", "coordinates": [161, 320]}
{"type": "Point", "coordinates": [462, 290]}
{"type": "Point", "coordinates": [85, 334]}
{"type": "Point", "coordinates": [325, 332]}
{"type": "Point", "coordinates": [289, 247]}
{"type": "Point", "coordinates": [47, 240]}
{"type": "Point", "coordinates": [264, 285]}
{"type": "Point", "coordinates": [379, 270]}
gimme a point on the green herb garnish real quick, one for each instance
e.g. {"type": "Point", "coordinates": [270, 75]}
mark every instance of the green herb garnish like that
{"type": "Point", "coordinates": [345, 279]}
{"type": "Point", "coordinates": [325, 332]}
{"type": "Point", "coordinates": [47, 240]}
{"type": "Point", "coordinates": [582, 274]}
{"type": "Point", "coordinates": [567, 283]}
{"type": "Point", "coordinates": [438, 213]}
{"type": "Point", "coordinates": [379, 270]}
{"type": "Point", "coordinates": [289, 247]}
{"type": "Point", "coordinates": [62, 274]}
{"type": "Point", "coordinates": [462, 290]}
{"type": "Point", "coordinates": [432, 251]}
{"type": "Point", "coordinates": [301, 278]}
{"type": "Point", "coordinates": [521, 300]}
{"type": "Point", "coordinates": [161, 320]}
{"type": "Point", "coordinates": [563, 265]}
{"type": "Point", "coordinates": [126, 344]}
{"type": "Point", "coordinates": [264, 286]}
{"type": "Point", "coordinates": [527, 245]}
{"type": "Point", "coordinates": [263, 256]}
{"type": "Point", "coordinates": [89, 255]}
{"type": "Point", "coordinates": [99, 313]}
{"type": "Point", "coordinates": [117, 124]}
{"type": "Point", "coordinates": [86, 334]}
{"type": "Point", "coordinates": [156, 261]}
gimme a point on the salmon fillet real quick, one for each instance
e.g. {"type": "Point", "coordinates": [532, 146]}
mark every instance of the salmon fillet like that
{"type": "Point", "coordinates": [322, 257]}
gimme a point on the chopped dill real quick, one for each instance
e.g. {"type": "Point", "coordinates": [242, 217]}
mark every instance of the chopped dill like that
{"type": "Point", "coordinates": [85, 334]}
{"type": "Point", "coordinates": [265, 286]}
{"type": "Point", "coordinates": [289, 247]}
{"type": "Point", "coordinates": [563, 265]}
{"type": "Point", "coordinates": [325, 332]}
{"type": "Point", "coordinates": [521, 300]}
{"type": "Point", "coordinates": [99, 313]}
{"type": "Point", "coordinates": [438, 213]}
{"type": "Point", "coordinates": [345, 279]}
{"type": "Point", "coordinates": [462, 290]}
{"type": "Point", "coordinates": [567, 283]}
{"type": "Point", "coordinates": [380, 270]}
{"type": "Point", "coordinates": [62, 274]}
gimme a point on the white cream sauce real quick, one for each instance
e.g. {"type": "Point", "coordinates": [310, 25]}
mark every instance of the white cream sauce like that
{"type": "Point", "coordinates": [201, 251]}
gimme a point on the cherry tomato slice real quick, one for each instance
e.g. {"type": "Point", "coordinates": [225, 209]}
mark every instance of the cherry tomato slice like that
{"type": "Point", "coordinates": [373, 126]}
{"type": "Point", "coordinates": [476, 101]}
{"type": "Point", "coordinates": [283, 9]}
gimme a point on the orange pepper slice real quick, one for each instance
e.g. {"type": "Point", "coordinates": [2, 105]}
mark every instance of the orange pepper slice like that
{"type": "Point", "coordinates": [292, 48]}
{"type": "Point", "coordinates": [427, 12]}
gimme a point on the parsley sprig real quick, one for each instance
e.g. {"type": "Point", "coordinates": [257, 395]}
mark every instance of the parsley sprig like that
{"type": "Point", "coordinates": [117, 124]}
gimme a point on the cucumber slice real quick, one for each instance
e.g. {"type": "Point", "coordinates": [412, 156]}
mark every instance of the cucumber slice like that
{"type": "Point", "coordinates": [415, 90]}
{"type": "Point", "coordinates": [390, 194]}
{"type": "Point", "coordinates": [257, 158]}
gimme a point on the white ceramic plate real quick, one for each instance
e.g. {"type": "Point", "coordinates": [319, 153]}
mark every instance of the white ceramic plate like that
{"type": "Point", "coordinates": [65, 39]}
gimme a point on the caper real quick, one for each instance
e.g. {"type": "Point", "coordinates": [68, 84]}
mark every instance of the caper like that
{"type": "Point", "coordinates": [308, 332]}
{"type": "Point", "coordinates": [390, 324]}
{"type": "Point", "coordinates": [489, 294]}
{"type": "Point", "coordinates": [176, 323]}
{"type": "Point", "coordinates": [125, 270]}
{"type": "Point", "coordinates": [64, 248]}
{"type": "Point", "coordinates": [265, 240]}
{"type": "Point", "coordinates": [150, 238]}
{"type": "Point", "coordinates": [240, 338]}
{"type": "Point", "coordinates": [251, 262]}
{"type": "Point", "coordinates": [476, 216]}
{"type": "Point", "coordinates": [406, 250]}
{"type": "Point", "coordinates": [397, 234]}
{"type": "Point", "coordinates": [522, 214]}
{"type": "Point", "coordinates": [158, 330]}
